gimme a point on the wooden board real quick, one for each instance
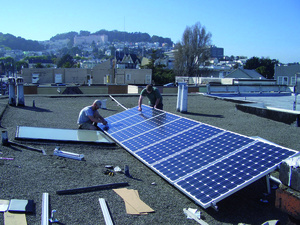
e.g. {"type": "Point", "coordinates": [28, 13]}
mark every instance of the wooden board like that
{"type": "Point", "coordinates": [14, 218]}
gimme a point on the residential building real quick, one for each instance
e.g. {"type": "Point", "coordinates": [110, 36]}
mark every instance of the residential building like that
{"type": "Point", "coordinates": [55, 45]}
{"type": "Point", "coordinates": [162, 62]}
{"type": "Point", "coordinates": [245, 74]}
{"type": "Point", "coordinates": [88, 64]}
{"type": "Point", "coordinates": [286, 74]}
{"type": "Point", "coordinates": [133, 76]}
{"type": "Point", "coordinates": [248, 77]}
{"type": "Point", "coordinates": [108, 52]}
{"type": "Point", "coordinates": [126, 61]}
{"type": "Point", "coordinates": [171, 59]}
{"type": "Point", "coordinates": [215, 71]}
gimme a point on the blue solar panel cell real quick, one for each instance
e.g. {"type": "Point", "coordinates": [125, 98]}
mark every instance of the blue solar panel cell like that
{"type": "Point", "coordinates": [207, 185]}
{"type": "Point", "coordinates": [205, 198]}
{"type": "Point", "coordinates": [205, 162]}
{"type": "Point", "coordinates": [237, 180]}
{"type": "Point", "coordinates": [221, 181]}
{"type": "Point", "coordinates": [148, 138]}
{"type": "Point", "coordinates": [194, 158]}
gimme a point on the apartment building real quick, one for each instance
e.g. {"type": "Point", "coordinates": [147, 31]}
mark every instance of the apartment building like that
{"type": "Point", "coordinates": [98, 39]}
{"type": "Point", "coordinates": [104, 73]}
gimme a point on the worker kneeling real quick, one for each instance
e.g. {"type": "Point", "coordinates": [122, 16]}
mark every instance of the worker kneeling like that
{"type": "Point", "coordinates": [89, 117]}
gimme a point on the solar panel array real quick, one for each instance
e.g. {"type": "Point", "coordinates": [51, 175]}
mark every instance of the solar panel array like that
{"type": "Point", "coordinates": [204, 162]}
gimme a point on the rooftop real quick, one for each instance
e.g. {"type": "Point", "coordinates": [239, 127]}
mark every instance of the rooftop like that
{"type": "Point", "coordinates": [31, 173]}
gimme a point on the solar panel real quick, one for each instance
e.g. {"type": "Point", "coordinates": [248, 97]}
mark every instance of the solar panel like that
{"type": "Point", "coordinates": [204, 162]}
{"type": "Point", "coordinates": [62, 135]}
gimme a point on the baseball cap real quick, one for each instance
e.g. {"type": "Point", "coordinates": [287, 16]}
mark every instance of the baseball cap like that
{"type": "Point", "coordinates": [98, 103]}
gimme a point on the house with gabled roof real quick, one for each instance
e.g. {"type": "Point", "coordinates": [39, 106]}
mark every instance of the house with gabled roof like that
{"type": "Point", "coordinates": [245, 74]}
{"type": "Point", "coordinates": [127, 61]}
{"type": "Point", "coordinates": [248, 77]}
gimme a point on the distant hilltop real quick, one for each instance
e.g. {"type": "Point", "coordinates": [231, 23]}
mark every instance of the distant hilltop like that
{"type": "Point", "coordinates": [9, 41]}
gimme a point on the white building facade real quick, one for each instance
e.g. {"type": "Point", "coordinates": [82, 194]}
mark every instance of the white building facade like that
{"type": "Point", "coordinates": [98, 39]}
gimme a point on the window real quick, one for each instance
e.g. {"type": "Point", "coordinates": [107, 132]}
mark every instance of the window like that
{"type": "Point", "coordinates": [283, 80]}
{"type": "Point", "coordinates": [128, 77]}
{"type": "Point", "coordinates": [148, 79]}
{"type": "Point", "coordinates": [293, 81]}
{"type": "Point", "coordinates": [35, 78]}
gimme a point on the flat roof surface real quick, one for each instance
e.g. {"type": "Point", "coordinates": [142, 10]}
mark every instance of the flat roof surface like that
{"type": "Point", "coordinates": [32, 173]}
{"type": "Point", "coordinates": [285, 102]}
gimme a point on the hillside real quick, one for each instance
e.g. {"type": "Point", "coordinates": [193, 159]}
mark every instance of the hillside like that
{"type": "Point", "coordinates": [9, 41]}
{"type": "Point", "coordinates": [116, 36]}
{"type": "Point", "coordinates": [17, 43]}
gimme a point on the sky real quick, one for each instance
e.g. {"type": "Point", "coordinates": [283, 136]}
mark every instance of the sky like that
{"type": "Point", "coordinates": [252, 28]}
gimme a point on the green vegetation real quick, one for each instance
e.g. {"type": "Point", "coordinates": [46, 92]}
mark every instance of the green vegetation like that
{"type": "Point", "coordinates": [66, 61]}
{"type": "Point", "coordinates": [163, 76]}
{"type": "Point", "coordinates": [116, 36]}
{"type": "Point", "coordinates": [190, 53]}
{"type": "Point", "coordinates": [263, 66]}
{"type": "Point", "coordinates": [12, 42]}
{"type": "Point", "coordinates": [160, 75]}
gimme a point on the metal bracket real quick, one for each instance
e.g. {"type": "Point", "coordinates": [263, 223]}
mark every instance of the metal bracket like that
{"type": "Point", "coordinates": [268, 184]}
{"type": "Point", "coordinates": [190, 214]}
{"type": "Point", "coordinates": [53, 217]}
{"type": "Point", "coordinates": [70, 155]}
{"type": "Point", "coordinates": [214, 206]}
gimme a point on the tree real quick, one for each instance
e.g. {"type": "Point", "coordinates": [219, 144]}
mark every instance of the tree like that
{"type": "Point", "coordinates": [84, 33]}
{"type": "Point", "coordinates": [2, 68]}
{"type": "Point", "coordinates": [163, 76]}
{"type": "Point", "coordinates": [252, 63]}
{"type": "Point", "coordinates": [264, 66]}
{"type": "Point", "coordinates": [74, 51]}
{"type": "Point", "coordinates": [261, 70]}
{"type": "Point", "coordinates": [12, 42]}
{"type": "Point", "coordinates": [65, 62]}
{"type": "Point", "coordinates": [8, 64]}
{"type": "Point", "coordinates": [39, 65]}
{"type": "Point", "coordinates": [160, 74]}
{"type": "Point", "coordinates": [192, 50]}
{"type": "Point", "coordinates": [21, 64]}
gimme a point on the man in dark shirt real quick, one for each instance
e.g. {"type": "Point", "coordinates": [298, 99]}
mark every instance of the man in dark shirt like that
{"type": "Point", "coordinates": [154, 96]}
